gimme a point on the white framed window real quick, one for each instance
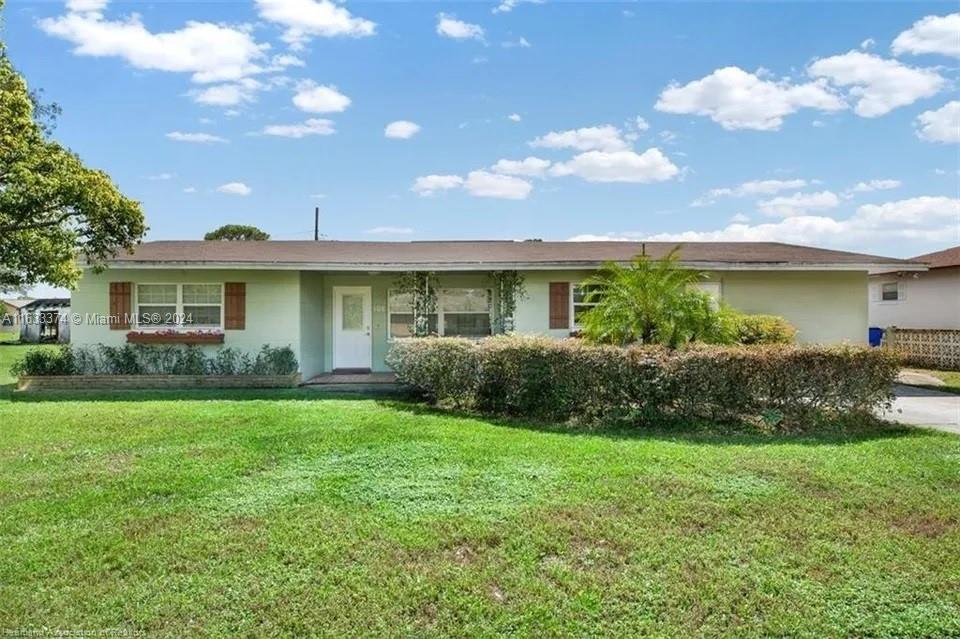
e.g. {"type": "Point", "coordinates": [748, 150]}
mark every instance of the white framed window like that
{"type": "Point", "coordinates": [890, 292]}
{"type": "Point", "coordinates": [581, 301]}
{"type": "Point", "coordinates": [179, 305]}
{"type": "Point", "coordinates": [461, 312]}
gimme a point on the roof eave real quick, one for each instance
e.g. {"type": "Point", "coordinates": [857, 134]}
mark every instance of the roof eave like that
{"type": "Point", "coordinates": [496, 266]}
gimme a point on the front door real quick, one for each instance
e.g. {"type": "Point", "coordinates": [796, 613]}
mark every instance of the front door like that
{"type": "Point", "coordinates": [352, 341]}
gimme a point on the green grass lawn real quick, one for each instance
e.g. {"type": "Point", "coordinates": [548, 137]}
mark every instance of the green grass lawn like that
{"type": "Point", "coordinates": [951, 379]}
{"type": "Point", "coordinates": [279, 513]}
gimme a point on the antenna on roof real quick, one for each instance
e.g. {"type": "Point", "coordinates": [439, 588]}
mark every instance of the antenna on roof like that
{"type": "Point", "coordinates": [316, 224]}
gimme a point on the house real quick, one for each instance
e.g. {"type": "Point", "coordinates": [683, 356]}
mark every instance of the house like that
{"type": "Point", "coordinates": [339, 304]}
{"type": "Point", "coordinates": [10, 314]}
{"type": "Point", "coordinates": [46, 319]}
{"type": "Point", "coordinates": [910, 299]}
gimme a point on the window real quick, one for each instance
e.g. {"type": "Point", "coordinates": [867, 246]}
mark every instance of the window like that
{"type": "Point", "coordinates": [583, 301]}
{"type": "Point", "coordinates": [890, 291]}
{"type": "Point", "coordinates": [180, 305]}
{"type": "Point", "coordinates": [461, 312]}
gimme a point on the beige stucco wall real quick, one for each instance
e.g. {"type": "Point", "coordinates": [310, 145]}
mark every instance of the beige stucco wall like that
{"type": "Point", "coordinates": [296, 309]}
{"type": "Point", "coordinates": [930, 300]}
{"type": "Point", "coordinates": [825, 306]}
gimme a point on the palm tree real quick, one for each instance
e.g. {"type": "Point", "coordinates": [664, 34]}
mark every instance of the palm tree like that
{"type": "Point", "coordinates": [650, 302]}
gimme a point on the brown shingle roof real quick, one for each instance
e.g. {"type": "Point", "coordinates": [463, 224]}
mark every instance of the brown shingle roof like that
{"type": "Point", "coordinates": [940, 259]}
{"type": "Point", "coordinates": [482, 254]}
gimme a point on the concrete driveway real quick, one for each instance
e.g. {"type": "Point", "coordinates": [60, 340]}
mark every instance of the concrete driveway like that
{"type": "Point", "coordinates": [924, 407]}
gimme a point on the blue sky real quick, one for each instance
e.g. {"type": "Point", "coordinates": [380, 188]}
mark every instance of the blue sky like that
{"type": "Point", "coordinates": [833, 125]}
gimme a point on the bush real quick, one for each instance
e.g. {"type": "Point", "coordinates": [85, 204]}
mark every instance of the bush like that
{"type": "Point", "coordinates": [763, 329]}
{"type": "Point", "coordinates": [140, 359]}
{"type": "Point", "coordinates": [573, 380]}
{"type": "Point", "coordinates": [44, 361]}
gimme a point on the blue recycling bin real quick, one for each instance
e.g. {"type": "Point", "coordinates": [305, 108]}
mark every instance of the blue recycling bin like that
{"type": "Point", "coordinates": [875, 335]}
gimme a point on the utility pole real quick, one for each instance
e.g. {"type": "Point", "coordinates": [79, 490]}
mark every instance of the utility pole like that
{"type": "Point", "coordinates": [316, 224]}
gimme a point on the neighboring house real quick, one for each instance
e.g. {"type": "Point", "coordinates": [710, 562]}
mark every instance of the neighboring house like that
{"type": "Point", "coordinates": [10, 314]}
{"type": "Point", "coordinates": [337, 305]}
{"type": "Point", "coordinates": [908, 299]}
{"type": "Point", "coordinates": [45, 320]}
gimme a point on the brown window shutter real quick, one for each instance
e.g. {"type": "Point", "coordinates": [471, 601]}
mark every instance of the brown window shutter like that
{"type": "Point", "coordinates": [120, 302]}
{"type": "Point", "coordinates": [235, 312]}
{"type": "Point", "coordinates": [559, 304]}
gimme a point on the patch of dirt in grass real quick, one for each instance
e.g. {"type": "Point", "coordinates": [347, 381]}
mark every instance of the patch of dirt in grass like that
{"type": "Point", "coordinates": [150, 525]}
{"type": "Point", "coordinates": [925, 525]}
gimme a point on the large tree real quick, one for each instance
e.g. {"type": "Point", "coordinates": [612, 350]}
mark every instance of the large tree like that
{"type": "Point", "coordinates": [52, 207]}
{"type": "Point", "coordinates": [242, 232]}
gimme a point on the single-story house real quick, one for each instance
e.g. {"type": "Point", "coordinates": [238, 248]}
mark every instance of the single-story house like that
{"type": "Point", "coordinates": [908, 299]}
{"type": "Point", "coordinates": [47, 319]}
{"type": "Point", "coordinates": [339, 304]}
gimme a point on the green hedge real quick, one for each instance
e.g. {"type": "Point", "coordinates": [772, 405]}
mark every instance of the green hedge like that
{"type": "Point", "coordinates": [140, 359]}
{"type": "Point", "coordinates": [573, 380]}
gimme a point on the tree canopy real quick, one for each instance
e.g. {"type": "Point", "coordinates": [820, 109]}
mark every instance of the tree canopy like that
{"type": "Point", "coordinates": [52, 207]}
{"type": "Point", "coordinates": [233, 232]}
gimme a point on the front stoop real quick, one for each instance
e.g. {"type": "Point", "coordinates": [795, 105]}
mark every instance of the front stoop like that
{"type": "Point", "coordinates": [360, 383]}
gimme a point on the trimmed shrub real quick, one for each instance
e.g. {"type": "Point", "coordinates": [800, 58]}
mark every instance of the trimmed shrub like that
{"type": "Point", "coordinates": [573, 380]}
{"type": "Point", "coordinates": [763, 329]}
{"type": "Point", "coordinates": [141, 359]}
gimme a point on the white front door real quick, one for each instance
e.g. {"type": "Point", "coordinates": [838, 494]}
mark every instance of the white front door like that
{"type": "Point", "coordinates": [352, 341]}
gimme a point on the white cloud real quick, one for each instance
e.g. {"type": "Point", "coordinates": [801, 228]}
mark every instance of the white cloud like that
{"type": "Point", "coordinates": [235, 188]}
{"type": "Point", "coordinates": [308, 18]}
{"type": "Point", "coordinates": [506, 187]}
{"type": "Point", "coordinates": [450, 27]}
{"type": "Point", "coordinates": [799, 204]}
{"type": "Point", "coordinates": [750, 189]}
{"type": "Point", "coordinates": [868, 44]}
{"type": "Point", "coordinates": [618, 166]}
{"type": "Point", "coordinates": [197, 138]}
{"type": "Point", "coordinates": [735, 99]}
{"type": "Point", "coordinates": [941, 125]}
{"type": "Point", "coordinates": [739, 218]}
{"type": "Point", "coordinates": [640, 124]}
{"type": "Point", "coordinates": [930, 219]}
{"type": "Point", "coordinates": [189, 189]}
{"type": "Point", "coordinates": [506, 6]}
{"type": "Point", "coordinates": [429, 184]}
{"type": "Point", "coordinates": [390, 230]}
{"type": "Point", "coordinates": [286, 60]}
{"type": "Point", "coordinates": [211, 52]}
{"type": "Point", "coordinates": [599, 138]}
{"type": "Point", "coordinates": [514, 117]}
{"type": "Point", "coordinates": [315, 98]}
{"type": "Point", "coordinates": [519, 43]}
{"type": "Point", "coordinates": [875, 185]}
{"type": "Point", "coordinates": [932, 34]}
{"type": "Point", "coordinates": [313, 126]}
{"type": "Point", "coordinates": [401, 130]}
{"type": "Point", "coordinates": [230, 94]}
{"type": "Point", "coordinates": [527, 167]}
{"type": "Point", "coordinates": [84, 6]}
{"type": "Point", "coordinates": [878, 85]}
{"type": "Point", "coordinates": [161, 177]}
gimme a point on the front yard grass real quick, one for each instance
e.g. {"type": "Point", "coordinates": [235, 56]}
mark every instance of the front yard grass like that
{"type": "Point", "coordinates": [951, 379]}
{"type": "Point", "coordinates": [280, 513]}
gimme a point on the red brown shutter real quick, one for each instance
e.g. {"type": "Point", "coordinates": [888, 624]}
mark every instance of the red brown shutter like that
{"type": "Point", "coordinates": [120, 301]}
{"type": "Point", "coordinates": [559, 304]}
{"type": "Point", "coordinates": [235, 312]}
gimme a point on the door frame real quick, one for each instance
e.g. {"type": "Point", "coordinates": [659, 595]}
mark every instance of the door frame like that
{"type": "Point", "coordinates": [367, 292]}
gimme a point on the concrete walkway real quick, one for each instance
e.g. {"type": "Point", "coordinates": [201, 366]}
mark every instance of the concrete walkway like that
{"type": "Point", "coordinates": [925, 407]}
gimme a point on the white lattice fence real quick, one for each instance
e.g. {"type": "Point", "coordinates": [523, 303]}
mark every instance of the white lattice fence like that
{"type": "Point", "coordinates": [932, 348]}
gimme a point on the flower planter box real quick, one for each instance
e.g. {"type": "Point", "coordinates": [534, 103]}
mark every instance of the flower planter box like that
{"type": "Point", "coordinates": [174, 338]}
{"type": "Point", "coordinates": [153, 382]}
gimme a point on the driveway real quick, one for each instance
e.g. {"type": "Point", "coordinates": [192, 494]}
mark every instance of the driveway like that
{"type": "Point", "coordinates": [924, 407]}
